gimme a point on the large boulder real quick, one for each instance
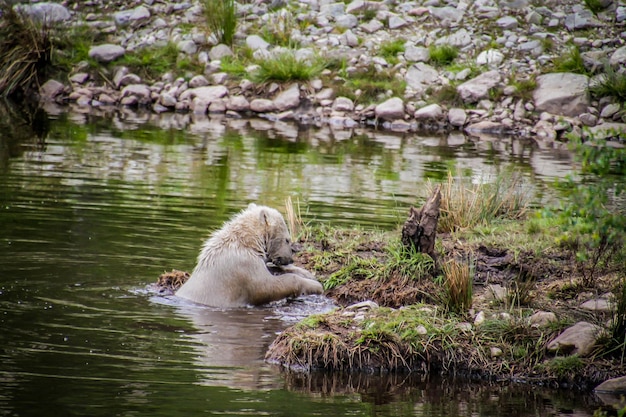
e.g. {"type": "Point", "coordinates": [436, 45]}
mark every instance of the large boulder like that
{"type": "Point", "coordinates": [577, 339]}
{"type": "Point", "coordinates": [288, 99]}
{"type": "Point", "coordinates": [106, 52]}
{"type": "Point", "coordinates": [614, 386]}
{"type": "Point", "coordinates": [478, 88]}
{"type": "Point", "coordinates": [562, 93]}
{"type": "Point", "coordinates": [45, 12]}
{"type": "Point", "coordinates": [391, 109]}
{"type": "Point", "coordinates": [136, 17]}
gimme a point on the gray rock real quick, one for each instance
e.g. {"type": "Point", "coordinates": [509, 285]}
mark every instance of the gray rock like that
{"type": "Point", "coordinates": [167, 100]}
{"type": "Point", "coordinates": [136, 17]}
{"type": "Point", "coordinates": [609, 110]}
{"type": "Point", "coordinates": [459, 38]}
{"type": "Point", "coordinates": [390, 109]}
{"type": "Point", "coordinates": [618, 57]}
{"type": "Point", "coordinates": [598, 304]}
{"type": "Point", "coordinates": [615, 386]}
{"type": "Point", "coordinates": [507, 22]}
{"type": "Point", "coordinates": [430, 112]}
{"type": "Point", "coordinates": [207, 93]}
{"type": "Point", "coordinates": [128, 79]}
{"type": "Point", "coordinates": [217, 106]}
{"type": "Point", "coordinates": [372, 26]}
{"type": "Point", "coordinates": [577, 339]}
{"type": "Point", "coordinates": [238, 104]}
{"type": "Point", "coordinates": [106, 52]}
{"type": "Point", "coordinates": [485, 126]}
{"type": "Point", "coordinates": [288, 99]}
{"type": "Point", "coordinates": [79, 78]}
{"type": "Point", "coordinates": [199, 106]}
{"type": "Point", "coordinates": [396, 22]}
{"type": "Point", "coordinates": [343, 104]}
{"type": "Point", "coordinates": [542, 318]}
{"type": "Point", "coordinates": [50, 90]}
{"type": "Point", "coordinates": [491, 57]}
{"type": "Point", "coordinates": [255, 42]}
{"type": "Point", "coordinates": [457, 117]}
{"type": "Point", "coordinates": [607, 130]}
{"type": "Point", "coordinates": [347, 21]}
{"type": "Point", "coordinates": [198, 81]}
{"type": "Point", "coordinates": [562, 93]}
{"type": "Point", "coordinates": [447, 14]}
{"type": "Point", "coordinates": [262, 105]}
{"type": "Point", "coordinates": [45, 12]}
{"type": "Point", "coordinates": [583, 19]}
{"type": "Point", "coordinates": [187, 46]}
{"type": "Point", "coordinates": [414, 53]}
{"type": "Point", "coordinates": [419, 76]}
{"type": "Point", "coordinates": [349, 39]}
{"type": "Point", "coordinates": [220, 51]}
{"type": "Point", "coordinates": [588, 119]}
{"type": "Point", "coordinates": [140, 91]}
{"type": "Point", "coordinates": [478, 88]}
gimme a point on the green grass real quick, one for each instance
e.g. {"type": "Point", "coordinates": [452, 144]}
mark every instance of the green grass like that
{"type": "Point", "coordinates": [465, 205]}
{"type": "Point", "coordinates": [443, 54]}
{"type": "Point", "coordinates": [286, 67]}
{"type": "Point", "coordinates": [150, 63]}
{"type": "Point", "coordinates": [221, 18]}
{"type": "Point", "coordinates": [371, 84]}
{"type": "Point", "coordinates": [595, 6]}
{"type": "Point", "coordinates": [524, 88]}
{"type": "Point", "coordinates": [390, 50]}
{"type": "Point", "coordinates": [572, 61]}
{"type": "Point", "coordinates": [610, 84]}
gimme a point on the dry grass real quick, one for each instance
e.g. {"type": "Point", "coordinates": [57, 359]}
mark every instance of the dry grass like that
{"type": "Point", "coordinates": [458, 282]}
{"type": "Point", "coordinates": [465, 205]}
{"type": "Point", "coordinates": [25, 51]}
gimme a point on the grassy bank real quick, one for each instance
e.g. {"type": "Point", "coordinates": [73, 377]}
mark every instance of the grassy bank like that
{"type": "Point", "coordinates": [471, 311]}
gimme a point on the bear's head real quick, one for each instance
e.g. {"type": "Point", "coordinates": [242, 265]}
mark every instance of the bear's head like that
{"type": "Point", "coordinates": [277, 239]}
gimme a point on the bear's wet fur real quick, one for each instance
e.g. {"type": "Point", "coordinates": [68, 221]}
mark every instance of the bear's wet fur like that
{"type": "Point", "coordinates": [232, 268]}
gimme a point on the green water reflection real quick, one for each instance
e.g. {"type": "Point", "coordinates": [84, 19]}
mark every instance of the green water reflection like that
{"type": "Point", "coordinates": [93, 209]}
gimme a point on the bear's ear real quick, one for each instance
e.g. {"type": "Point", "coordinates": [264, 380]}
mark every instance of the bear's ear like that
{"type": "Point", "coordinates": [264, 217]}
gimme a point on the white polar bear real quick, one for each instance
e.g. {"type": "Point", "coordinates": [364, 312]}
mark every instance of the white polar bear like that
{"type": "Point", "coordinates": [232, 268]}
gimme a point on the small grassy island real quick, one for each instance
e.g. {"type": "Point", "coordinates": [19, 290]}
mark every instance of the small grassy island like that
{"type": "Point", "coordinates": [507, 283]}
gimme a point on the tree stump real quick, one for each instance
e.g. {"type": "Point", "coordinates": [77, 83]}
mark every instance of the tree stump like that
{"type": "Point", "coordinates": [420, 228]}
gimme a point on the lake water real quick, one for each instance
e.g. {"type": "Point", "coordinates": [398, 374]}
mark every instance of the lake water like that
{"type": "Point", "coordinates": [94, 207]}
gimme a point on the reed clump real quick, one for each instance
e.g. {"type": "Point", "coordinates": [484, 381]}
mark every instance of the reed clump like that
{"type": "Point", "coordinates": [25, 51]}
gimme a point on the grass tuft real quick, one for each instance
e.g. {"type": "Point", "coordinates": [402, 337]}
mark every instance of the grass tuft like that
{"type": "Point", "coordinates": [221, 17]}
{"type": "Point", "coordinates": [369, 85]}
{"type": "Point", "coordinates": [458, 284]}
{"type": "Point", "coordinates": [25, 51]}
{"type": "Point", "coordinates": [286, 67]}
{"type": "Point", "coordinates": [572, 61]}
{"type": "Point", "coordinates": [443, 54]}
{"type": "Point", "coordinates": [466, 205]}
{"type": "Point", "coordinates": [610, 84]}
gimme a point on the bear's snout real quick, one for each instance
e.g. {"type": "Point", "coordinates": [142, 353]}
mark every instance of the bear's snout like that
{"type": "Point", "coordinates": [282, 260]}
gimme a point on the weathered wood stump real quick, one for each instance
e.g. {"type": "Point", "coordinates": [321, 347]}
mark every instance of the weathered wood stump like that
{"type": "Point", "coordinates": [420, 228]}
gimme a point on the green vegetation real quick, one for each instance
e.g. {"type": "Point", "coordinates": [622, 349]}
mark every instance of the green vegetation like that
{"type": "Point", "coordinates": [443, 54]}
{"type": "Point", "coordinates": [369, 85]}
{"type": "Point", "coordinates": [610, 84]}
{"type": "Point", "coordinates": [152, 62]}
{"type": "Point", "coordinates": [465, 205]}
{"type": "Point", "coordinates": [524, 88]}
{"type": "Point", "coordinates": [25, 51]}
{"type": "Point", "coordinates": [595, 6]}
{"type": "Point", "coordinates": [277, 31]}
{"type": "Point", "coordinates": [390, 50]}
{"type": "Point", "coordinates": [286, 67]}
{"type": "Point", "coordinates": [458, 283]}
{"type": "Point", "coordinates": [572, 61]}
{"type": "Point", "coordinates": [221, 18]}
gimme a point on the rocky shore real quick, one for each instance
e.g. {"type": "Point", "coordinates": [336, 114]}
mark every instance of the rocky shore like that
{"type": "Point", "coordinates": [503, 47]}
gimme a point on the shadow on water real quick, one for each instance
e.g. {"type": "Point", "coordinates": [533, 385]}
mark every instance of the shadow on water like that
{"type": "Point", "coordinates": [21, 127]}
